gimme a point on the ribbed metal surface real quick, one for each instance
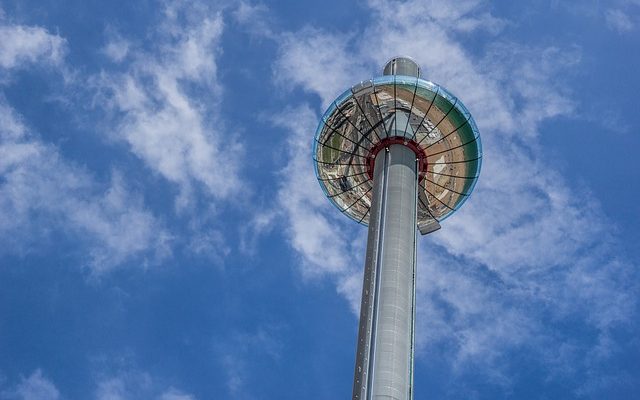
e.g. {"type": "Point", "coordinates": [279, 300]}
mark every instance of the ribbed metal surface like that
{"type": "Point", "coordinates": [384, 358]}
{"type": "Point", "coordinates": [402, 66]}
{"type": "Point", "coordinates": [368, 314]}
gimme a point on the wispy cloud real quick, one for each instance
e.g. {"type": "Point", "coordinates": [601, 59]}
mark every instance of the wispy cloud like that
{"type": "Point", "coordinates": [133, 384]}
{"type": "Point", "coordinates": [619, 20]}
{"type": "Point", "coordinates": [22, 45]}
{"type": "Point", "coordinates": [238, 355]}
{"type": "Point", "coordinates": [255, 18]}
{"type": "Point", "coordinates": [315, 230]}
{"type": "Point", "coordinates": [35, 387]}
{"type": "Point", "coordinates": [623, 16]}
{"type": "Point", "coordinates": [319, 62]}
{"type": "Point", "coordinates": [173, 394]}
{"type": "Point", "coordinates": [620, 16]}
{"type": "Point", "coordinates": [41, 192]}
{"type": "Point", "coordinates": [164, 105]}
{"type": "Point", "coordinates": [117, 47]}
{"type": "Point", "coordinates": [159, 100]}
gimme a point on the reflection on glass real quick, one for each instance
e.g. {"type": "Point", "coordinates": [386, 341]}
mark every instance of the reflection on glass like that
{"type": "Point", "coordinates": [414, 110]}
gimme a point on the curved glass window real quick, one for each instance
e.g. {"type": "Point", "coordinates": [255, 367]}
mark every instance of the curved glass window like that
{"type": "Point", "coordinates": [409, 108]}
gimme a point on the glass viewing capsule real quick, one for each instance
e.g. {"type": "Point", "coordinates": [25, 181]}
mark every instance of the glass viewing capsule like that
{"type": "Point", "coordinates": [392, 109]}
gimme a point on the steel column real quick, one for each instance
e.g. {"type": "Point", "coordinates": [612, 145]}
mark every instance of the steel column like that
{"type": "Point", "coordinates": [384, 359]}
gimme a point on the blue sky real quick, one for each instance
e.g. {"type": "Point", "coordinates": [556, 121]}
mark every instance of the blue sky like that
{"type": "Point", "coordinates": [162, 235]}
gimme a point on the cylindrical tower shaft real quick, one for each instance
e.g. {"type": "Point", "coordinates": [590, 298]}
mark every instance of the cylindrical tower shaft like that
{"type": "Point", "coordinates": [384, 360]}
{"type": "Point", "coordinates": [400, 154]}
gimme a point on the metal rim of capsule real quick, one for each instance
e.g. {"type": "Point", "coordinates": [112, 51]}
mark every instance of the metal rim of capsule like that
{"type": "Point", "coordinates": [454, 189]}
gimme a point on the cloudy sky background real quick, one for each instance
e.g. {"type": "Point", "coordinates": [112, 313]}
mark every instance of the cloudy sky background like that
{"type": "Point", "coordinates": [162, 235]}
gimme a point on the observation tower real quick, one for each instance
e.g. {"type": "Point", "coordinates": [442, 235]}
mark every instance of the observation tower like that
{"type": "Point", "coordinates": [400, 154]}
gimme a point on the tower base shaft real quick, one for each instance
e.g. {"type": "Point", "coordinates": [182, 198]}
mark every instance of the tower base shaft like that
{"type": "Point", "coordinates": [384, 359]}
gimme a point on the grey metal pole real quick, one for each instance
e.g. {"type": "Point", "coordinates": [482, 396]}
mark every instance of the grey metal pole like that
{"type": "Point", "coordinates": [384, 361]}
{"type": "Point", "coordinates": [384, 358]}
{"type": "Point", "coordinates": [375, 176]}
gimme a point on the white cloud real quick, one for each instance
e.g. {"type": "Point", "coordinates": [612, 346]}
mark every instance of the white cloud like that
{"type": "Point", "coordinates": [262, 222]}
{"type": "Point", "coordinates": [173, 394]}
{"type": "Point", "coordinates": [164, 106]}
{"type": "Point", "coordinates": [22, 45]}
{"type": "Point", "coordinates": [117, 47]}
{"type": "Point", "coordinates": [132, 384]}
{"type": "Point", "coordinates": [463, 16]}
{"type": "Point", "coordinates": [528, 249]}
{"type": "Point", "coordinates": [621, 16]}
{"type": "Point", "coordinates": [236, 356]}
{"type": "Point", "coordinates": [41, 192]}
{"type": "Point", "coordinates": [510, 90]}
{"type": "Point", "coordinates": [113, 389]}
{"type": "Point", "coordinates": [315, 229]}
{"type": "Point", "coordinates": [619, 20]}
{"type": "Point", "coordinates": [255, 18]}
{"type": "Point", "coordinates": [35, 387]}
{"type": "Point", "coordinates": [211, 244]}
{"type": "Point", "coordinates": [162, 103]}
{"type": "Point", "coordinates": [317, 61]}
{"type": "Point", "coordinates": [302, 200]}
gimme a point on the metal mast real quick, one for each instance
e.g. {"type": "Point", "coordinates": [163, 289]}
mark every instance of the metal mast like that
{"type": "Point", "coordinates": [396, 152]}
{"type": "Point", "coordinates": [384, 358]}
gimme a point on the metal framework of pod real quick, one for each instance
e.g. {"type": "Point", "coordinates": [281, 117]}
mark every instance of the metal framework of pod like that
{"type": "Point", "coordinates": [394, 108]}
{"type": "Point", "coordinates": [394, 153]}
